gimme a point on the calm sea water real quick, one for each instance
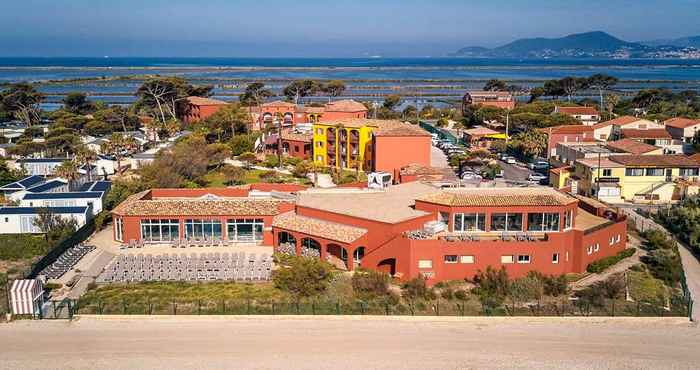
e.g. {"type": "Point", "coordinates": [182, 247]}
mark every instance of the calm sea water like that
{"type": "Point", "coordinates": [432, 79]}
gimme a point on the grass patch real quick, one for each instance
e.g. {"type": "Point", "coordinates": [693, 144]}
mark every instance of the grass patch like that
{"type": "Point", "coordinates": [602, 264]}
{"type": "Point", "coordinates": [22, 246]}
{"type": "Point", "coordinates": [644, 287]}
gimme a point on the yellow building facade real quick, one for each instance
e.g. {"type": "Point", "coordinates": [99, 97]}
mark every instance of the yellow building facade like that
{"type": "Point", "coordinates": [634, 178]}
{"type": "Point", "coordinates": [344, 145]}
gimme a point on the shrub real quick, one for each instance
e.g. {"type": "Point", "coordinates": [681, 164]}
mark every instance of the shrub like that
{"type": "Point", "coordinates": [417, 289]}
{"type": "Point", "coordinates": [664, 264]}
{"type": "Point", "coordinates": [369, 284]}
{"type": "Point", "coordinates": [271, 161]}
{"type": "Point", "coordinates": [602, 264]}
{"type": "Point", "coordinates": [303, 277]}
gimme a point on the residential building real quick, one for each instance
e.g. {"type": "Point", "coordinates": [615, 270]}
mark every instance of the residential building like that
{"type": "Point", "coordinates": [630, 146]}
{"type": "Point", "coordinates": [92, 199]}
{"type": "Point", "coordinates": [634, 178]}
{"type": "Point", "coordinates": [683, 130]}
{"type": "Point", "coordinates": [20, 220]}
{"type": "Point", "coordinates": [604, 130]}
{"type": "Point", "coordinates": [482, 137]}
{"type": "Point", "coordinates": [199, 108]}
{"type": "Point", "coordinates": [566, 134]}
{"type": "Point", "coordinates": [658, 137]}
{"type": "Point", "coordinates": [587, 115]}
{"type": "Point", "coordinates": [290, 114]}
{"type": "Point", "coordinates": [498, 99]}
{"type": "Point", "coordinates": [33, 185]}
{"type": "Point", "coordinates": [296, 142]}
{"type": "Point", "coordinates": [370, 145]}
{"type": "Point", "coordinates": [568, 153]}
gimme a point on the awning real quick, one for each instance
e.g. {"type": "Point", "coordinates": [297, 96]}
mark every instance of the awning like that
{"type": "Point", "coordinates": [24, 295]}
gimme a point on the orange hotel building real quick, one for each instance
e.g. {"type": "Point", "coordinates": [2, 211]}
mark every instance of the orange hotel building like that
{"type": "Point", "coordinates": [408, 230]}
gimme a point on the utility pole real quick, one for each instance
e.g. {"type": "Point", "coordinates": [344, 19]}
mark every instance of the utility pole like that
{"type": "Point", "coordinates": [507, 124]}
{"type": "Point", "coordinates": [597, 193]}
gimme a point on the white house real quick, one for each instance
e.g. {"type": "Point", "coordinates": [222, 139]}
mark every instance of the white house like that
{"type": "Point", "coordinates": [604, 130]}
{"type": "Point", "coordinates": [683, 129]}
{"type": "Point", "coordinates": [589, 116]}
{"type": "Point", "coordinates": [20, 220]}
{"type": "Point", "coordinates": [51, 186]}
{"type": "Point", "coordinates": [22, 184]}
{"type": "Point", "coordinates": [92, 199]}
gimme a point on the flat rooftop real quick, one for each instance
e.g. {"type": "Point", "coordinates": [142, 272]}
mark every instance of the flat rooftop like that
{"type": "Point", "coordinates": [498, 197]}
{"type": "Point", "coordinates": [391, 205]}
{"type": "Point", "coordinates": [586, 221]}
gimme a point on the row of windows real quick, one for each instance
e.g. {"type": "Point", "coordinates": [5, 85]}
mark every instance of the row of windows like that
{"type": "Point", "coordinates": [511, 221]}
{"type": "Point", "coordinates": [169, 229]}
{"type": "Point", "coordinates": [654, 172]}
{"type": "Point", "coordinates": [468, 259]}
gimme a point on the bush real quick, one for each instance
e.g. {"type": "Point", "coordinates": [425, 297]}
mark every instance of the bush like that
{"type": "Point", "coordinates": [369, 284]}
{"type": "Point", "coordinates": [417, 289]}
{"type": "Point", "coordinates": [271, 161]}
{"type": "Point", "coordinates": [602, 264]}
{"type": "Point", "coordinates": [664, 264]}
{"type": "Point", "coordinates": [303, 277]}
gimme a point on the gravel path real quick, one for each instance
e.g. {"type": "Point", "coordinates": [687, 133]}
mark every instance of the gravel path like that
{"type": "Point", "coordinates": [619, 267]}
{"type": "Point", "coordinates": [350, 343]}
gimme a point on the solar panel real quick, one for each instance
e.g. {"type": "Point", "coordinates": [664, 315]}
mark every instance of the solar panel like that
{"type": "Point", "coordinates": [47, 186]}
{"type": "Point", "coordinates": [101, 186]}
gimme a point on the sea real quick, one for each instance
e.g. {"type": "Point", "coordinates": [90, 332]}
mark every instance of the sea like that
{"type": "Point", "coordinates": [114, 80]}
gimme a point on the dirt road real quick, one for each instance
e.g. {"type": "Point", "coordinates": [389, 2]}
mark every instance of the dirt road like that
{"type": "Point", "coordinates": [350, 343]}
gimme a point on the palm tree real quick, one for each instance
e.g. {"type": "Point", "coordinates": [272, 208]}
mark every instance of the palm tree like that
{"type": "Point", "coordinates": [84, 156]}
{"type": "Point", "coordinates": [67, 170]}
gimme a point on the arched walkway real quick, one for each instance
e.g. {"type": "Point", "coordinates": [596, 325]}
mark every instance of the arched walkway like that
{"type": "Point", "coordinates": [357, 255]}
{"type": "Point", "coordinates": [338, 252]}
{"type": "Point", "coordinates": [310, 248]}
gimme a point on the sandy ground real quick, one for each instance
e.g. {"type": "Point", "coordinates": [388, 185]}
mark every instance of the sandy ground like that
{"type": "Point", "coordinates": [349, 343]}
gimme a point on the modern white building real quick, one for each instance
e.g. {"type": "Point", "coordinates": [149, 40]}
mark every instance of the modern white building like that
{"type": "Point", "coordinates": [20, 220]}
{"type": "Point", "coordinates": [92, 199]}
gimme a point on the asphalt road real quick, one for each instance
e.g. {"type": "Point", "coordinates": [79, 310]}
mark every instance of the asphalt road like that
{"type": "Point", "coordinates": [514, 172]}
{"type": "Point", "coordinates": [314, 342]}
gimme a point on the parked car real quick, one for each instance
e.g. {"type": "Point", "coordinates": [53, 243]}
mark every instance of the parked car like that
{"type": "Point", "coordinates": [539, 165]}
{"type": "Point", "coordinates": [536, 177]}
{"type": "Point", "coordinates": [511, 160]}
{"type": "Point", "coordinates": [470, 175]}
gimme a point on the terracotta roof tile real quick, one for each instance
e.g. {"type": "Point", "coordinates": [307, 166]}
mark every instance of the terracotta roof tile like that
{"type": "Point", "coordinates": [198, 100]}
{"type": "Point", "coordinates": [498, 197]}
{"type": "Point", "coordinates": [290, 134]}
{"type": "Point", "coordinates": [137, 206]}
{"type": "Point", "coordinates": [346, 105]}
{"type": "Point", "coordinates": [319, 228]}
{"type": "Point", "coordinates": [681, 122]}
{"type": "Point", "coordinates": [652, 133]}
{"type": "Point", "coordinates": [667, 160]}
{"type": "Point", "coordinates": [591, 111]}
{"type": "Point", "coordinates": [566, 129]}
{"type": "Point", "coordinates": [622, 120]}
{"type": "Point", "coordinates": [631, 146]}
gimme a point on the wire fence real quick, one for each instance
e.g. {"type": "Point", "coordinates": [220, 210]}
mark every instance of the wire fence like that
{"type": "Point", "coordinates": [676, 307]}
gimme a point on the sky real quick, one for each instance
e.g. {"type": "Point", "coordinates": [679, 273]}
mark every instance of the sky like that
{"type": "Point", "coordinates": [315, 28]}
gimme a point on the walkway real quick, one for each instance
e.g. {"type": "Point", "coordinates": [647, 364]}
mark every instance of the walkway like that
{"type": "Point", "coordinates": [237, 163]}
{"type": "Point", "coordinates": [619, 267]}
{"type": "Point", "coordinates": [691, 264]}
{"type": "Point", "coordinates": [347, 342]}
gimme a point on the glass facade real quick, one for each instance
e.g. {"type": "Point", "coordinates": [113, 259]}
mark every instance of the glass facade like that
{"type": "Point", "coordinates": [203, 229]}
{"type": "Point", "coordinates": [245, 230]}
{"type": "Point", "coordinates": [543, 221]}
{"type": "Point", "coordinates": [507, 222]}
{"type": "Point", "coordinates": [157, 230]}
{"type": "Point", "coordinates": [469, 222]}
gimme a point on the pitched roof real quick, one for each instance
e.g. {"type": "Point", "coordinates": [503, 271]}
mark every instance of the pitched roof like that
{"type": "Point", "coordinates": [566, 129]}
{"type": "Point", "coordinates": [480, 131]}
{"type": "Point", "coordinates": [695, 157]}
{"type": "Point", "coordinates": [24, 183]}
{"type": "Point", "coordinates": [681, 122]}
{"type": "Point", "coordinates": [279, 103]}
{"type": "Point", "coordinates": [67, 195]}
{"type": "Point", "coordinates": [489, 93]}
{"type": "Point", "coordinates": [665, 160]}
{"type": "Point", "coordinates": [631, 146]}
{"type": "Point", "coordinates": [291, 134]}
{"type": "Point", "coordinates": [198, 100]}
{"type": "Point", "coordinates": [498, 197]}
{"type": "Point", "coordinates": [382, 127]}
{"type": "Point", "coordinates": [136, 206]}
{"type": "Point", "coordinates": [320, 228]}
{"type": "Point", "coordinates": [652, 133]}
{"type": "Point", "coordinates": [591, 111]}
{"type": "Point", "coordinates": [49, 185]}
{"type": "Point", "coordinates": [346, 105]}
{"type": "Point", "coordinates": [622, 120]}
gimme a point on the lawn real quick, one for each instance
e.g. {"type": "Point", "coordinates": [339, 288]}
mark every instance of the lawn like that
{"type": "Point", "coordinates": [252, 176]}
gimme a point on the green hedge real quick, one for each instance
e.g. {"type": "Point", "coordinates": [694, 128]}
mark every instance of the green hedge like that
{"type": "Point", "coordinates": [602, 264]}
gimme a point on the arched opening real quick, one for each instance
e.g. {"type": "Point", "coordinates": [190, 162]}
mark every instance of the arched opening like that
{"type": "Point", "coordinates": [310, 248]}
{"type": "Point", "coordinates": [357, 255]}
{"type": "Point", "coordinates": [286, 243]}
{"type": "Point", "coordinates": [267, 117]}
{"type": "Point", "coordinates": [338, 254]}
{"type": "Point", "coordinates": [288, 118]}
{"type": "Point", "coordinates": [285, 147]}
{"type": "Point", "coordinates": [387, 266]}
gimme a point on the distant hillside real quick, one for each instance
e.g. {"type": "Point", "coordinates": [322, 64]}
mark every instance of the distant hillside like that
{"type": "Point", "coordinates": [595, 44]}
{"type": "Point", "coordinates": [691, 41]}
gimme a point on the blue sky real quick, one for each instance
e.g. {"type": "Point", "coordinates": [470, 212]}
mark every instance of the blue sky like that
{"type": "Point", "coordinates": [313, 28]}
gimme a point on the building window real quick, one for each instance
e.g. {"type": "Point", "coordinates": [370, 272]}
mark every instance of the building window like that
{"type": "Point", "coordinates": [618, 238]}
{"type": "Point", "coordinates": [319, 131]}
{"type": "Point", "coordinates": [319, 144]}
{"type": "Point", "coordinates": [203, 229]}
{"type": "Point", "coordinates": [597, 247]}
{"type": "Point", "coordinates": [543, 222]}
{"type": "Point", "coordinates": [524, 258]}
{"type": "Point", "coordinates": [319, 158]}
{"type": "Point", "coordinates": [7, 219]}
{"type": "Point", "coordinates": [507, 259]}
{"type": "Point", "coordinates": [466, 259]}
{"type": "Point", "coordinates": [469, 222]}
{"type": "Point", "coordinates": [655, 171]}
{"type": "Point", "coordinates": [425, 264]}
{"type": "Point", "coordinates": [568, 219]}
{"type": "Point", "coordinates": [507, 222]}
{"type": "Point", "coordinates": [555, 258]}
{"type": "Point", "coordinates": [451, 258]}
{"type": "Point", "coordinates": [118, 229]}
{"type": "Point", "coordinates": [245, 230]}
{"type": "Point", "coordinates": [157, 230]}
{"type": "Point", "coordinates": [590, 250]}
{"type": "Point", "coordinates": [634, 172]}
{"type": "Point", "coordinates": [607, 172]}
{"type": "Point", "coordinates": [689, 171]}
